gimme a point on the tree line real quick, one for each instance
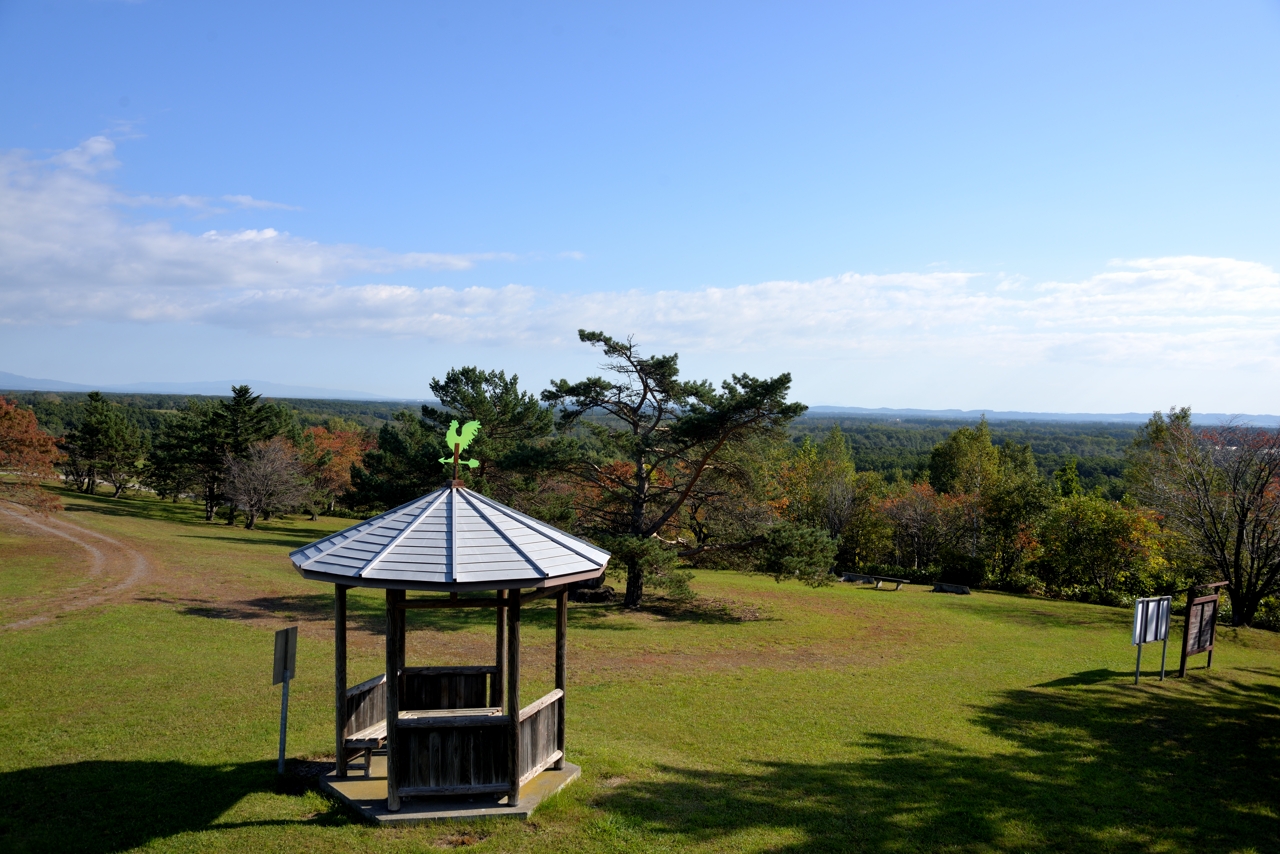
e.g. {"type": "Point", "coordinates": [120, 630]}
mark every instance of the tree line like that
{"type": "Point", "coordinates": [671, 474]}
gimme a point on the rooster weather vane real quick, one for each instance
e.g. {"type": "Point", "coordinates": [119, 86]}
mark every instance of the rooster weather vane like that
{"type": "Point", "coordinates": [459, 440]}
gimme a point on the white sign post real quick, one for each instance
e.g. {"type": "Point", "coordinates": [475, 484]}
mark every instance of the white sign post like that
{"type": "Point", "coordinates": [1151, 624]}
{"type": "Point", "coordinates": [286, 661]}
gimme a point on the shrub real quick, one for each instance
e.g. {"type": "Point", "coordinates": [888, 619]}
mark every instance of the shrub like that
{"type": "Point", "coordinates": [958, 568]}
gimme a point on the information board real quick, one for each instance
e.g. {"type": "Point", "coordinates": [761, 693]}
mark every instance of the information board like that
{"type": "Point", "coordinates": [1151, 619]}
{"type": "Point", "coordinates": [1202, 618]}
{"type": "Point", "coordinates": [1151, 625]}
{"type": "Point", "coordinates": [1202, 621]}
{"type": "Point", "coordinates": [286, 655]}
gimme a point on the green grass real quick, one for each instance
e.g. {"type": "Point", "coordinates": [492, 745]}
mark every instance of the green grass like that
{"type": "Point", "coordinates": [28, 569]}
{"type": "Point", "coordinates": [845, 719]}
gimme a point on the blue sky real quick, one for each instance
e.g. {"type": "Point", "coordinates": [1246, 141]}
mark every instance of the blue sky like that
{"type": "Point", "coordinates": [1066, 207]}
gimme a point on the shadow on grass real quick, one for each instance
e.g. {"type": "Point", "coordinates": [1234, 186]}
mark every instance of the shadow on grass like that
{"type": "Point", "coordinates": [1044, 613]}
{"type": "Point", "coordinates": [1085, 677]}
{"type": "Point", "coordinates": [102, 807]}
{"type": "Point", "coordinates": [1101, 768]}
{"type": "Point", "coordinates": [290, 540]}
{"type": "Point", "coordinates": [288, 532]}
{"type": "Point", "coordinates": [368, 614]}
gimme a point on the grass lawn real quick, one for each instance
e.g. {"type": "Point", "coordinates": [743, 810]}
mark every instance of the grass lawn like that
{"type": "Point", "coordinates": [767, 718]}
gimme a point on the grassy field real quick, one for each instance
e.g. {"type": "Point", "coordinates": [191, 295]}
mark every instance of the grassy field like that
{"type": "Point", "coordinates": [764, 718]}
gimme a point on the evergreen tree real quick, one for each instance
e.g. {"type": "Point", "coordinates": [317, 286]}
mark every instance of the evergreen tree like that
{"type": "Point", "coordinates": [652, 438]}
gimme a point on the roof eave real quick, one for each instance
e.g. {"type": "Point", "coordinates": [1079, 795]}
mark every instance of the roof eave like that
{"type": "Point", "coordinates": [450, 586]}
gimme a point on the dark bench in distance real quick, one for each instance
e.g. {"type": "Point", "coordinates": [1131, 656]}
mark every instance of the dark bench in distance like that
{"type": "Point", "coordinates": [877, 580]}
{"type": "Point", "coordinates": [951, 588]}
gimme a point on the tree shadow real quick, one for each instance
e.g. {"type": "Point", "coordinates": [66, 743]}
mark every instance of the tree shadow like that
{"type": "Point", "coordinates": [100, 807]}
{"type": "Point", "coordinates": [1050, 615]}
{"type": "Point", "coordinates": [258, 537]}
{"type": "Point", "coordinates": [369, 614]}
{"type": "Point", "coordinates": [1098, 768]}
{"type": "Point", "coordinates": [702, 609]}
{"type": "Point", "coordinates": [289, 532]}
{"type": "Point", "coordinates": [1084, 677]}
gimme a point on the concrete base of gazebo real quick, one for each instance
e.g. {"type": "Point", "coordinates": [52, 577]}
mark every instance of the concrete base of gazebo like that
{"type": "Point", "coordinates": [368, 797]}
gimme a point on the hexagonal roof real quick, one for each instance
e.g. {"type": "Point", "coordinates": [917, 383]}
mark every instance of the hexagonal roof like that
{"type": "Point", "coordinates": [450, 539]}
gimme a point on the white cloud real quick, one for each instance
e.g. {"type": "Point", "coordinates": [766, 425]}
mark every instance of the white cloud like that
{"type": "Point", "coordinates": [258, 204]}
{"type": "Point", "coordinates": [66, 256]}
{"type": "Point", "coordinates": [66, 253]}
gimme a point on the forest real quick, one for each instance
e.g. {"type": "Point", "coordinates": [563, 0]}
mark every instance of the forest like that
{"type": "Point", "coordinates": [896, 448]}
{"type": "Point", "coordinates": [671, 474]}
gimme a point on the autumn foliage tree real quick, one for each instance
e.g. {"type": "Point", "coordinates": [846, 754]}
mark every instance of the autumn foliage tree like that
{"type": "Point", "coordinates": [1220, 488]}
{"type": "Point", "coordinates": [27, 455]}
{"type": "Point", "coordinates": [328, 453]}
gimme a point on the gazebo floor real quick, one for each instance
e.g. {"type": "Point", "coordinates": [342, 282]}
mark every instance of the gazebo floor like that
{"type": "Point", "coordinates": [368, 796]}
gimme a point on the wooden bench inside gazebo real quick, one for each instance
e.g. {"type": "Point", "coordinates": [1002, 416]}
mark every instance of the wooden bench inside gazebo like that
{"type": "Point", "coordinates": [457, 741]}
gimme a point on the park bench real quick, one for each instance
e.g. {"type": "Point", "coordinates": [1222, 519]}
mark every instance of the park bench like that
{"type": "Point", "coordinates": [950, 588]}
{"type": "Point", "coordinates": [877, 580]}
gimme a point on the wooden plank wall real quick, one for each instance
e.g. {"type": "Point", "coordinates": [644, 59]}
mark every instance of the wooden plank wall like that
{"type": "Point", "coordinates": [366, 705]}
{"type": "Point", "coordinates": [429, 688]}
{"type": "Point", "coordinates": [455, 760]}
{"type": "Point", "coordinates": [539, 738]}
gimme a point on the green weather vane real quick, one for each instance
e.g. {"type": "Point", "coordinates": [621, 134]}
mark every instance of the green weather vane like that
{"type": "Point", "coordinates": [459, 440]}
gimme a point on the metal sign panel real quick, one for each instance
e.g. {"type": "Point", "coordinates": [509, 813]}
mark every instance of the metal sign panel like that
{"type": "Point", "coordinates": [1151, 619]}
{"type": "Point", "coordinates": [286, 655]}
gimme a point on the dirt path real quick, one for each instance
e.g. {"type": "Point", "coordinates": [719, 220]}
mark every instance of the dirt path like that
{"type": "Point", "coordinates": [114, 567]}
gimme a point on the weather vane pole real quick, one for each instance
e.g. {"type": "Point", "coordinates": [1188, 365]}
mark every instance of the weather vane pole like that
{"type": "Point", "coordinates": [459, 440]}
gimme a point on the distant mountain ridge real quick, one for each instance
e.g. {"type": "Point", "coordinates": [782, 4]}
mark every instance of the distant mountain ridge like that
{"type": "Point", "coordinates": [15, 382]}
{"type": "Point", "coordinates": [1207, 418]}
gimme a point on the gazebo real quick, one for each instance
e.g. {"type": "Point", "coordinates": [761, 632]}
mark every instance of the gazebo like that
{"type": "Point", "coordinates": [450, 731]}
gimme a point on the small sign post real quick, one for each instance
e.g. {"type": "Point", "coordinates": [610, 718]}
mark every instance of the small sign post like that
{"type": "Point", "coordinates": [286, 661]}
{"type": "Point", "coordinates": [1202, 622]}
{"type": "Point", "coordinates": [1151, 624]}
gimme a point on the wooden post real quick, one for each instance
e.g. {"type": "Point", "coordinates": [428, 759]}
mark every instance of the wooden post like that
{"type": "Point", "coordinates": [562, 630]}
{"type": "Point", "coordinates": [402, 617]}
{"type": "Point", "coordinates": [500, 656]}
{"type": "Point", "coordinates": [395, 637]}
{"type": "Point", "coordinates": [1186, 634]}
{"type": "Point", "coordinates": [340, 675]}
{"type": "Point", "coordinates": [513, 693]}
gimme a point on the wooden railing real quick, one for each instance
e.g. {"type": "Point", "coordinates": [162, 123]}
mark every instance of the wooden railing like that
{"type": "Point", "coordinates": [439, 753]}
{"type": "Point", "coordinates": [366, 704]}
{"type": "Point", "coordinates": [466, 752]}
{"type": "Point", "coordinates": [446, 687]}
{"type": "Point", "coordinates": [539, 735]}
{"type": "Point", "coordinates": [450, 754]}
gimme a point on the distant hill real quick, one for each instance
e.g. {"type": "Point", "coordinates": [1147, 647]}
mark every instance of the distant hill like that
{"type": "Point", "coordinates": [1002, 415]}
{"type": "Point", "coordinates": [222, 388]}
{"type": "Point", "coordinates": [14, 382]}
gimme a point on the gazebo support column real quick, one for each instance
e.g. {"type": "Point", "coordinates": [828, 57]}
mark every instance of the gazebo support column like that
{"type": "Point", "coordinates": [501, 654]}
{"type": "Point", "coordinates": [340, 675]}
{"type": "Point", "coordinates": [395, 661]}
{"type": "Point", "coordinates": [513, 693]}
{"type": "Point", "coordinates": [562, 631]}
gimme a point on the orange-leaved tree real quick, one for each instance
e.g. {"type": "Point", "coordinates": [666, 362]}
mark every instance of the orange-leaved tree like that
{"type": "Point", "coordinates": [329, 452]}
{"type": "Point", "coordinates": [27, 454]}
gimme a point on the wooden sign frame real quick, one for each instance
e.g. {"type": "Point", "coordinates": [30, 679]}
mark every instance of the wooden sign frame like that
{"type": "Point", "coordinates": [1202, 623]}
